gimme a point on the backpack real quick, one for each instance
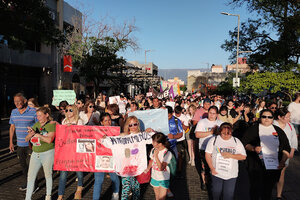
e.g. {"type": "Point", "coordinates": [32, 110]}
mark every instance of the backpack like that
{"type": "Point", "coordinates": [172, 164]}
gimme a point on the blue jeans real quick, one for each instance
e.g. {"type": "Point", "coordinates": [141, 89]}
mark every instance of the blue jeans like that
{"type": "Point", "coordinates": [174, 148]}
{"type": "Point", "coordinates": [220, 185]}
{"type": "Point", "coordinates": [99, 177]}
{"type": "Point", "coordinates": [45, 159]}
{"type": "Point", "coordinates": [63, 180]}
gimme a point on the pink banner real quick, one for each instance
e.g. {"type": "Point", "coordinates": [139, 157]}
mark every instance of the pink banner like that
{"type": "Point", "coordinates": [77, 148]}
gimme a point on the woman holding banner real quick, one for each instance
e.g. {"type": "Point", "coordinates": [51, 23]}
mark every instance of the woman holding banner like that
{"type": "Point", "coordinates": [72, 118]}
{"type": "Point", "coordinates": [105, 120]}
{"type": "Point", "coordinates": [41, 136]}
{"type": "Point", "coordinates": [129, 152]}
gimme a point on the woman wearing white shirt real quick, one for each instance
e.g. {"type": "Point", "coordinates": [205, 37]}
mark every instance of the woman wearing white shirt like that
{"type": "Point", "coordinates": [222, 155]}
{"type": "Point", "coordinates": [90, 116]}
{"type": "Point", "coordinates": [204, 131]}
{"type": "Point", "coordinates": [294, 109]}
{"type": "Point", "coordinates": [72, 118]}
{"type": "Point", "coordinates": [282, 117]}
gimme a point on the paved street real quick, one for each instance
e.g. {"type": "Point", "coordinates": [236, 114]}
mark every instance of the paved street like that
{"type": "Point", "coordinates": [186, 188]}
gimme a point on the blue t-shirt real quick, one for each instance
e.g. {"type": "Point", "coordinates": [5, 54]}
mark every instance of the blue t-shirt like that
{"type": "Point", "coordinates": [21, 122]}
{"type": "Point", "coordinates": [173, 129]}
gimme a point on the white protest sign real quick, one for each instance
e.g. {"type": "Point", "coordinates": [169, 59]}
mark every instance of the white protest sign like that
{"type": "Point", "coordinates": [171, 104]}
{"type": "Point", "coordinates": [157, 119]}
{"type": "Point", "coordinates": [63, 95]}
{"type": "Point", "coordinates": [114, 100]}
{"type": "Point", "coordinates": [223, 165]}
{"type": "Point", "coordinates": [149, 94]}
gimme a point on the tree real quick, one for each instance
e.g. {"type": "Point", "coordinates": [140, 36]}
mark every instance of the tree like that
{"type": "Point", "coordinates": [26, 22]}
{"type": "Point", "coordinates": [273, 38]}
{"type": "Point", "coordinates": [94, 46]}
{"type": "Point", "coordinates": [285, 82]}
{"type": "Point", "coordinates": [226, 87]}
{"type": "Point", "coordinates": [102, 64]}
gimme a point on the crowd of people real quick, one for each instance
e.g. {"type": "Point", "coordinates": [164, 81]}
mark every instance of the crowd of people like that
{"type": "Point", "coordinates": [221, 137]}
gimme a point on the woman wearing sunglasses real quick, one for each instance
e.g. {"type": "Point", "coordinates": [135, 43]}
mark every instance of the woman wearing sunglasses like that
{"type": "Point", "coordinates": [222, 154]}
{"type": "Point", "coordinates": [283, 116]}
{"type": "Point", "coordinates": [267, 151]}
{"type": "Point", "coordinates": [126, 157]}
{"type": "Point", "coordinates": [90, 116]}
{"type": "Point", "coordinates": [80, 105]}
{"type": "Point", "coordinates": [105, 120]}
{"type": "Point", "coordinates": [72, 118]}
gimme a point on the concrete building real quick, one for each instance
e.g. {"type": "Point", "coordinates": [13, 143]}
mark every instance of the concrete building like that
{"type": "Point", "coordinates": [243, 67]}
{"type": "Point", "coordinates": [217, 69]}
{"type": "Point", "coordinates": [37, 70]}
{"type": "Point", "coordinates": [196, 79]}
{"type": "Point", "coordinates": [147, 77]}
{"type": "Point", "coordinates": [176, 79]}
{"type": "Point", "coordinates": [149, 68]}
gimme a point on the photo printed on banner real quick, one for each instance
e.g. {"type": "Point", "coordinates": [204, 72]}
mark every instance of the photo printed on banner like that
{"type": "Point", "coordinates": [86, 146]}
{"type": "Point", "coordinates": [104, 163]}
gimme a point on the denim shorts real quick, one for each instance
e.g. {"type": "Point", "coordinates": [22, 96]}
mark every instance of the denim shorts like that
{"type": "Point", "coordinates": [162, 183]}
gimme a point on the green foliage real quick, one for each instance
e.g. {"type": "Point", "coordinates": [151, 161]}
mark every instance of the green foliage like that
{"type": "Point", "coordinates": [286, 82]}
{"type": "Point", "coordinates": [102, 63]}
{"type": "Point", "coordinates": [273, 38]}
{"type": "Point", "coordinates": [27, 21]}
{"type": "Point", "coordinates": [183, 88]}
{"type": "Point", "coordinates": [226, 87]}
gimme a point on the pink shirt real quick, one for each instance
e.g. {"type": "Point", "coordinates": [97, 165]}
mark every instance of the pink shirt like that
{"type": "Point", "coordinates": [200, 114]}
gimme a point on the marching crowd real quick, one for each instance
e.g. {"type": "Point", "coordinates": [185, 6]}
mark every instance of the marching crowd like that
{"type": "Point", "coordinates": [221, 137]}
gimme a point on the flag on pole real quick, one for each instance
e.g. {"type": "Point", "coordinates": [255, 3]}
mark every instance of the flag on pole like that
{"type": "Point", "coordinates": [67, 63]}
{"type": "Point", "coordinates": [160, 87]}
{"type": "Point", "coordinates": [171, 92]}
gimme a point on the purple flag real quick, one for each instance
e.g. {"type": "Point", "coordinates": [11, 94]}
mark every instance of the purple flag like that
{"type": "Point", "coordinates": [171, 92]}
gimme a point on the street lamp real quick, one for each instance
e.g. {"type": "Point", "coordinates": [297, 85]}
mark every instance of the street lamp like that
{"type": "Point", "coordinates": [237, 45]}
{"type": "Point", "coordinates": [146, 55]}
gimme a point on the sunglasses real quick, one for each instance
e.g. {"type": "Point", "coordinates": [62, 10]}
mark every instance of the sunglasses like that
{"type": "Point", "coordinates": [131, 125]}
{"type": "Point", "coordinates": [264, 117]}
{"type": "Point", "coordinates": [78, 102]}
{"type": "Point", "coordinates": [69, 110]}
{"type": "Point", "coordinates": [91, 106]}
{"type": "Point", "coordinates": [273, 107]}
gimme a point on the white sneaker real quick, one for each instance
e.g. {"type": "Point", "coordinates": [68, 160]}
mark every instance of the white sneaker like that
{"type": "Point", "coordinates": [115, 196]}
{"type": "Point", "coordinates": [193, 163]}
{"type": "Point", "coordinates": [48, 197]}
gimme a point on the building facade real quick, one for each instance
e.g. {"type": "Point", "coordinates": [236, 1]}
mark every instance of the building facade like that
{"type": "Point", "coordinates": [38, 70]}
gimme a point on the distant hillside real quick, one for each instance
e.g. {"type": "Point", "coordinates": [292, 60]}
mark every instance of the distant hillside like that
{"type": "Point", "coordinates": [181, 73]}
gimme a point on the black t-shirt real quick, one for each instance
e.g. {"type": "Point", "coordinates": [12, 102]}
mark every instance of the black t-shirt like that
{"type": "Point", "coordinates": [240, 126]}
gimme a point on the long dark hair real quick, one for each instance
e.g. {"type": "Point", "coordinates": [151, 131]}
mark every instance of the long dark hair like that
{"type": "Point", "coordinates": [281, 112]}
{"type": "Point", "coordinates": [161, 138]}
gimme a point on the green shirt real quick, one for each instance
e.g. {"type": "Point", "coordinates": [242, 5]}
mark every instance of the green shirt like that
{"type": "Point", "coordinates": [45, 129]}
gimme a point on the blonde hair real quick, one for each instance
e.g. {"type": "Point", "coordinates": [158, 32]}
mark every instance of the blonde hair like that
{"type": "Point", "coordinates": [75, 111]}
{"type": "Point", "coordinates": [126, 125]}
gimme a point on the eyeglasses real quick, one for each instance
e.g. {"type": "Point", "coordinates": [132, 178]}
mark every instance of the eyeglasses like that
{"type": "Point", "coordinates": [69, 110]}
{"type": "Point", "coordinates": [131, 125]}
{"type": "Point", "coordinates": [264, 117]}
{"type": "Point", "coordinates": [91, 106]}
